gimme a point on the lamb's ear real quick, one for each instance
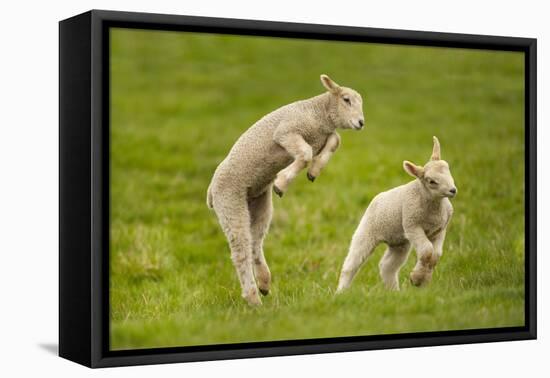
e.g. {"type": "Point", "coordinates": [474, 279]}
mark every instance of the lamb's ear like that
{"type": "Point", "coordinates": [436, 153]}
{"type": "Point", "coordinates": [413, 170]}
{"type": "Point", "coordinates": [330, 85]}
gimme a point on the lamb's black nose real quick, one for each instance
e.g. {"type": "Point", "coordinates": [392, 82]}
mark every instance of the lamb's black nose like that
{"type": "Point", "coordinates": [361, 122]}
{"type": "Point", "coordinates": [453, 190]}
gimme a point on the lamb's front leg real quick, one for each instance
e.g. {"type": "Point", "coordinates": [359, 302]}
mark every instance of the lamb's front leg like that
{"type": "Point", "coordinates": [321, 159]}
{"type": "Point", "coordinates": [438, 243]}
{"type": "Point", "coordinates": [427, 258]}
{"type": "Point", "coordinates": [302, 153]}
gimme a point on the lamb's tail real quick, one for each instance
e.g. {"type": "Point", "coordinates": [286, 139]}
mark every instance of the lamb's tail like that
{"type": "Point", "coordinates": [209, 197]}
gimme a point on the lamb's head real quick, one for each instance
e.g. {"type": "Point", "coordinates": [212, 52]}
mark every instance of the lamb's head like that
{"type": "Point", "coordinates": [346, 105]}
{"type": "Point", "coordinates": [435, 176]}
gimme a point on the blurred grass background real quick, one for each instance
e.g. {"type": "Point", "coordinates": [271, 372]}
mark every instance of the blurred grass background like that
{"type": "Point", "coordinates": [179, 102]}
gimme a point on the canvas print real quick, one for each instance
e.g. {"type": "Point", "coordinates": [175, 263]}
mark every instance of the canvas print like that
{"type": "Point", "coordinates": [267, 189]}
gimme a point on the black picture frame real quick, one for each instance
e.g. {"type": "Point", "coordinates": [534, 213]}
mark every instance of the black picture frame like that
{"type": "Point", "coordinates": [84, 188]}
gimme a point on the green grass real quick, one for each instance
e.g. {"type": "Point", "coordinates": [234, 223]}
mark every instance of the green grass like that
{"type": "Point", "coordinates": [179, 101]}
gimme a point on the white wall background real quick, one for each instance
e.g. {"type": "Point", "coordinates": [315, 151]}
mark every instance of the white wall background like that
{"type": "Point", "coordinates": [29, 186]}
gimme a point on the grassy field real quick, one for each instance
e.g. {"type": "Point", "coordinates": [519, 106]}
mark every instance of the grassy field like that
{"type": "Point", "coordinates": [180, 101]}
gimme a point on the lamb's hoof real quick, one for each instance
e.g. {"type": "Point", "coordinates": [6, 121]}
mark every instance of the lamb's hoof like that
{"type": "Point", "coordinates": [253, 300]}
{"type": "Point", "coordinates": [415, 282]}
{"type": "Point", "coordinates": [421, 278]}
{"type": "Point", "coordinates": [416, 278]}
{"type": "Point", "coordinates": [278, 191]}
{"type": "Point", "coordinates": [311, 177]}
{"type": "Point", "coordinates": [264, 292]}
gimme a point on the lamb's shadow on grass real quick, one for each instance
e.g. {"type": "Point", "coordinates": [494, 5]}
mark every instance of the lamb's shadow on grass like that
{"type": "Point", "coordinates": [50, 347]}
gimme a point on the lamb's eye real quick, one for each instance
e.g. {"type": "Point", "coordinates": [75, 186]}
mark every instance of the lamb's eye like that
{"type": "Point", "coordinates": [347, 100]}
{"type": "Point", "coordinates": [432, 182]}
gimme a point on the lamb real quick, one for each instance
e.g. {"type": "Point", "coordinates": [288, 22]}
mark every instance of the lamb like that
{"type": "Point", "coordinates": [269, 155]}
{"type": "Point", "coordinates": [415, 214]}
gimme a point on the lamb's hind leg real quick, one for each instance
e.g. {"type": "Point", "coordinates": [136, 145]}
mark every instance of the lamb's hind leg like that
{"type": "Point", "coordinates": [322, 158]}
{"type": "Point", "coordinates": [391, 263]}
{"type": "Point", "coordinates": [361, 248]}
{"type": "Point", "coordinates": [261, 209]}
{"type": "Point", "coordinates": [302, 153]}
{"type": "Point", "coordinates": [234, 218]}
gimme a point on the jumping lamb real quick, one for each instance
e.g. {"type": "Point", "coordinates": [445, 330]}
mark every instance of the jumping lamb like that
{"type": "Point", "coordinates": [269, 154]}
{"type": "Point", "coordinates": [415, 214]}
